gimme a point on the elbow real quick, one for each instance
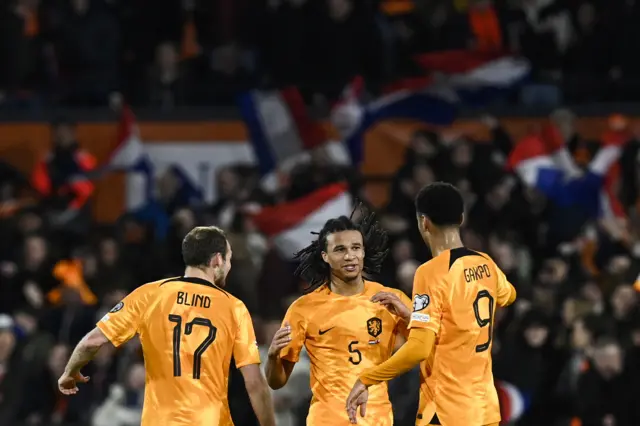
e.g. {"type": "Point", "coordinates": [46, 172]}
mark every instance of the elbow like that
{"type": "Point", "coordinates": [275, 383]}
{"type": "Point", "coordinates": [424, 355]}
{"type": "Point", "coordinates": [93, 341]}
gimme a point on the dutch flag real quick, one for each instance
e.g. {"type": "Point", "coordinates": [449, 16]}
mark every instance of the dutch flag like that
{"type": "Point", "coordinates": [452, 79]}
{"type": "Point", "coordinates": [290, 224]}
{"type": "Point", "coordinates": [542, 162]}
{"type": "Point", "coordinates": [280, 130]}
{"type": "Point", "coordinates": [128, 155]}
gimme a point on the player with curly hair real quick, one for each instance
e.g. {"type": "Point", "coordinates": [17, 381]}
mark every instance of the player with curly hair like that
{"type": "Point", "coordinates": [346, 322]}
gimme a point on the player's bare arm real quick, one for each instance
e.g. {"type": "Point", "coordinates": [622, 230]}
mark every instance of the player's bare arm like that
{"type": "Point", "coordinates": [259, 394]}
{"type": "Point", "coordinates": [278, 370]}
{"type": "Point", "coordinates": [393, 304]}
{"type": "Point", "coordinates": [84, 352]}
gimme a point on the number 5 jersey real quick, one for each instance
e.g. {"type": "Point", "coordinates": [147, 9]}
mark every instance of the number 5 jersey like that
{"type": "Point", "coordinates": [189, 328]}
{"type": "Point", "coordinates": [343, 335]}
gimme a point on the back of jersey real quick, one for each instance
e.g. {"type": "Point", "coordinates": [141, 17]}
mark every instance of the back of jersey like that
{"type": "Point", "coordinates": [461, 289]}
{"type": "Point", "coordinates": [189, 329]}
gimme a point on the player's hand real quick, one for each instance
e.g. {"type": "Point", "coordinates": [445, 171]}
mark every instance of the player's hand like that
{"type": "Point", "coordinates": [68, 384]}
{"type": "Point", "coordinates": [393, 303]}
{"type": "Point", "coordinates": [281, 339]}
{"type": "Point", "coordinates": [357, 398]}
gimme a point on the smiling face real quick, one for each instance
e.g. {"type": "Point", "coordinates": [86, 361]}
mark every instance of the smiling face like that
{"type": "Point", "coordinates": [345, 254]}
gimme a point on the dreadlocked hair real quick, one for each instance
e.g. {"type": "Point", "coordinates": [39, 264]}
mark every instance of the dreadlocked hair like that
{"type": "Point", "coordinates": [316, 272]}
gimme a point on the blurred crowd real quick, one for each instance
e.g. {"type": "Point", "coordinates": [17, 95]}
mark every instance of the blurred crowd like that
{"type": "Point", "coordinates": [570, 345]}
{"type": "Point", "coordinates": [171, 53]}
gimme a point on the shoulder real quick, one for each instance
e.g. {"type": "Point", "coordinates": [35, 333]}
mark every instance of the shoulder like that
{"type": "Point", "coordinates": [485, 255]}
{"type": "Point", "coordinates": [395, 291]}
{"type": "Point", "coordinates": [146, 290]}
{"type": "Point", "coordinates": [433, 266]}
{"type": "Point", "coordinates": [303, 302]}
{"type": "Point", "coordinates": [374, 287]}
{"type": "Point", "coordinates": [489, 259]}
{"type": "Point", "coordinates": [138, 299]}
{"type": "Point", "coordinates": [239, 308]}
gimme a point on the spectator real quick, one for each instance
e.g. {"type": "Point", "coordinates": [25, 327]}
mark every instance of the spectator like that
{"type": "Point", "coordinates": [123, 406]}
{"type": "Point", "coordinates": [605, 393]}
{"type": "Point", "coordinates": [61, 181]}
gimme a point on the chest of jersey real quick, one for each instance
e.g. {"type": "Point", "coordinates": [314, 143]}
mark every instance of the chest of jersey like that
{"type": "Point", "coordinates": [350, 331]}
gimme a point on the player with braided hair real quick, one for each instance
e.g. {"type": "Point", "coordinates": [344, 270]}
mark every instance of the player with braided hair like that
{"type": "Point", "coordinates": [346, 322]}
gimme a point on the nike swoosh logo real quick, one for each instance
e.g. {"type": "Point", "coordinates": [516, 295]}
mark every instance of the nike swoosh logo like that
{"type": "Point", "coordinates": [327, 330]}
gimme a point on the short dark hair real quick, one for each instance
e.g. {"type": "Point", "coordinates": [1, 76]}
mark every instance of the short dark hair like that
{"type": "Point", "coordinates": [202, 243]}
{"type": "Point", "coordinates": [316, 272]}
{"type": "Point", "coordinates": [442, 203]}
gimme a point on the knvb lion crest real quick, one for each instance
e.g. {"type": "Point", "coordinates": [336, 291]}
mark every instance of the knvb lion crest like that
{"type": "Point", "coordinates": [374, 326]}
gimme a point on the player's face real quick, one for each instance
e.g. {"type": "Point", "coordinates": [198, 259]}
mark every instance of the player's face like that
{"type": "Point", "coordinates": [224, 267]}
{"type": "Point", "coordinates": [345, 254]}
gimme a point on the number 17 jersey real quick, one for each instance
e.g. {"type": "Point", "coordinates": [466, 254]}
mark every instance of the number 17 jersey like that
{"type": "Point", "coordinates": [189, 328]}
{"type": "Point", "coordinates": [455, 295]}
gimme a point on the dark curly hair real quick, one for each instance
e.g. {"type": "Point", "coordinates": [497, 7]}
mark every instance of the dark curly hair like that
{"type": "Point", "coordinates": [316, 272]}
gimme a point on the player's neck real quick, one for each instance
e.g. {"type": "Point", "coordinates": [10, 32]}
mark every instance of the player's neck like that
{"type": "Point", "coordinates": [346, 288]}
{"type": "Point", "coordinates": [191, 272]}
{"type": "Point", "coordinates": [448, 239]}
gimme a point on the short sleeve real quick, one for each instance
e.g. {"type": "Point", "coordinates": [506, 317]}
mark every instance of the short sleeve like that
{"type": "Point", "coordinates": [245, 346]}
{"type": "Point", "coordinates": [504, 289]}
{"type": "Point", "coordinates": [297, 321]}
{"type": "Point", "coordinates": [427, 301]}
{"type": "Point", "coordinates": [122, 322]}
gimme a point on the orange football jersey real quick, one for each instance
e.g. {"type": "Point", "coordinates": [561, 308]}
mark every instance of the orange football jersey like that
{"type": "Point", "coordinates": [189, 328]}
{"type": "Point", "coordinates": [343, 335]}
{"type": "Point", "coordinates": [455, 295]}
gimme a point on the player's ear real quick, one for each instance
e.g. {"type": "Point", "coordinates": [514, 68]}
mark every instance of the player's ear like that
{"type": "Point", "coordinates": [427, 224]}
{"type": "Point", "coordinates": [462, 217]}
{"type": "Point", "coordinates": [216, 260]}
{"type": "Point", "coordinates": [325, 257]}
{"type": "Point", "coordinates": [423, 223]}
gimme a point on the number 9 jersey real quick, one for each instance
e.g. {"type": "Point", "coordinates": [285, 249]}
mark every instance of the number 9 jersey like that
{"type": "Point", "coordinates": [455, 295]}
{"type": "Point", "coordinates": [189, 328]}
{"type": "Point", "coordinates": [343, 336]}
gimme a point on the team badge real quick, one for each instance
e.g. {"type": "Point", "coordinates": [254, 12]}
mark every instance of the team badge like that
{"type": "Point", "coordinates": [374, 326]}
{"type": "Point", "coordinates": [420, 302]}
{"type": "Point", "coordinates": [116, 308]}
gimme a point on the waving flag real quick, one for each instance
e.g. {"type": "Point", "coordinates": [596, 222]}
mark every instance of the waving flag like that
{"type": "Point", "coordinates": [127, 154]}
{"type": "Point", "coordinates": [452, 79]}
{"type": "Point", "coordinates": [513, 404]}
{"type": "Point", "coordinates": [291, 224]}
{"type": "Point", "coordinates": [540, 160]}
{"type": "Point", "coordinates": [279, 127]}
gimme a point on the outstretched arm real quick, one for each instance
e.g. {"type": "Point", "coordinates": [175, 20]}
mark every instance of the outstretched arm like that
{"type": "Point", "coordinates": [84, 352]}
{"type": "Point", "coordinates": [419, 347]}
